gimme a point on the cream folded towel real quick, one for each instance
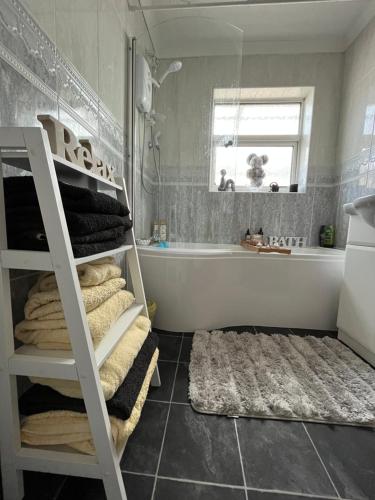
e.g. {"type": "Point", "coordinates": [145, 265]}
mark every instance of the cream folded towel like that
{"type": "Point", "coordinates": [48, 305]}
{"type": "Point", "coordinates": [72, 428]}
{"type": "Point", "coordinates": [114, 369]}
{"type": "Point", "coordinates": [53, 334]}
{"type": "Point", "coordinates": [93, 273]}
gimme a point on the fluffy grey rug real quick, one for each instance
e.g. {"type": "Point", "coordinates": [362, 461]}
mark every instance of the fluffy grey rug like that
{"type": "Point", "coordinates": [279, 376]}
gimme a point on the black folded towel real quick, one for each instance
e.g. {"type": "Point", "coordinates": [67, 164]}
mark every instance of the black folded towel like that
{"type": "Point", "coordinates": [20, 191]}
{"type": "Point", "coordinates": [29, 218]}
{"type": "Point", "coordinates": [36, 240]}
{"type": "Point", "coordinates": [98, 231]}
{"type": "Point", "coordinates": [40, 399]}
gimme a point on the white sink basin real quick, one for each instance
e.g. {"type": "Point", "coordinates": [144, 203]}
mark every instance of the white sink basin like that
{"type": "Point", "coordinates": [364, 207]}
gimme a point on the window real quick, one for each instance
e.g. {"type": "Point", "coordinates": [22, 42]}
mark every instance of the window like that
{"type": "Point", "coordinates": [271, 127]}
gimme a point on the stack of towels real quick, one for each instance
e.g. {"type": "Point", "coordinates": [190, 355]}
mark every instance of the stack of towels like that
{"type": "Point", "coordinates": [53, 409]}
{"type": "Point", "coordinates": [96, 222]}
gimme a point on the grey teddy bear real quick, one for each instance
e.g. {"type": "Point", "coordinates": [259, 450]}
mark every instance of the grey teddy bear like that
{"type": "Point", "coordinates": [256, 172]}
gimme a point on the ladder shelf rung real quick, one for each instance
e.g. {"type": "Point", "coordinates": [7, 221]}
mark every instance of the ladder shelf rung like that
{"type": "Point", "coordinates": [19, 159]}
{"type": "Point", "coordinates": [30, 361]}
{"type": "Point", "coordinates": [108, 253]}
{"type": "Point", "coordinates": [41, 261]}
{"type": "Point", "coordinates": [59, 460]}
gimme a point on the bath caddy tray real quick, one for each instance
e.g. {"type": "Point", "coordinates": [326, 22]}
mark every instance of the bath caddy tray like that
{"type": "Point", "coordinates": [265, 249]}
{"type": "Point", "coordinates": [28, 148]}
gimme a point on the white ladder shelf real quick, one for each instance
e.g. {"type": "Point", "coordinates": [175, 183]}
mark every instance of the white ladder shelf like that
{"type": "Point", "coordinates": [29, 149]}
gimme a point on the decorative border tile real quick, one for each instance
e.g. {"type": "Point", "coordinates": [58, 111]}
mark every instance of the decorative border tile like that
{"type": "Point", "coordinates": [109, 129]}
{"type": "Point", "coordinates": [24, 71]}
{"type": "Point", "coordinates": [28, 42]}
{"type": "Point", "coordinates": [30, 52]}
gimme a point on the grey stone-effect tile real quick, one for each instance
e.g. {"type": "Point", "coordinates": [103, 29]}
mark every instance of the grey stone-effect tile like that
{"type": "Point", "coordinates": [265, 213]}
{"type": "Point", "coordinates": [186, 349]}
{"type": "Point", "coordinates": [324, 210]}
{"type": "Point", "coordinates": [173, 490]}
{"type": "Point", "coordinates": [27, 42]}
{"type": "Point", "coordinates": [181, 388]}
{"type": "Point", "coordinates": [137, 488]}
{"type": "Point", "coordinates": [167, 372]}
{"type": "Point", "coordinates": [41, 486]}
{"type": "Point", "coordinates": [349, 455]}
{"type": "Point", "coordinates": [295, 216]}
{"type": "Point", "coordinates": [200, 447]}
{"type": "Point", "coordinates": [265, 495]}
{"type": "Point", "coordinates": [169, 347]}
{"type": "Point", "coordinates": [143, 448]}
{"type": "Point", "coordinates": [20, 101]}
{"type": "Point", "coordinates": [278, 455]}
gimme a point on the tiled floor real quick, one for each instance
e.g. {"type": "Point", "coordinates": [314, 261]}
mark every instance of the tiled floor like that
{"type": "Point", "coordinates": [178, 454]}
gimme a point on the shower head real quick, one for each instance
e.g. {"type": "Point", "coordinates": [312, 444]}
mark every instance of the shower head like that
{"type": "Point", "coordinates": [173, 68]}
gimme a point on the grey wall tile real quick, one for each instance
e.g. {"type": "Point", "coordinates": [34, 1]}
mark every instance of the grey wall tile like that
{"type": "Point", "coordinates": [324, 210]}
{"type": "Point", "coordinates": [296, 213]}
{"type": "Point", "coordinates": [21, 102]}
{"type": "Point", "coordinates": [266, 212]}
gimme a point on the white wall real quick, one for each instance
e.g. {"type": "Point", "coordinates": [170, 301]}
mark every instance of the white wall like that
{"type": "Point", "coordinates": [356, 144]}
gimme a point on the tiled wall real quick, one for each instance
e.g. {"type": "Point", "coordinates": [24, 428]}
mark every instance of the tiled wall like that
{"type": "Point", "coordinates": [67, 59]}
{"type": "Point", "coordinates": [356, 143]}
{"type": "Point", "coordinates": [196, 215]}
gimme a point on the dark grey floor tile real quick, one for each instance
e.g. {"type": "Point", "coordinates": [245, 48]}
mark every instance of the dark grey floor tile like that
{"type": "Point", "coordinates": [200, 447]}
{"type": "Point", "coordinates": [40, 486]}
{"type": "Point", "coordinates": [316, 333]}
{"type": "Point", "coordinates": [264, 495]}
{"type": "Point", "coordinates": [138, 487]}
{"type": "Point", "coordinates": [178, 490]}
{"type": "Point", "coordinates": [169, 347]}
{"type": "Point", "coordinates": [186, 349]}
{"type": "Point", "coordinates": [82, 488]}
{"type": "Point", "coordinates": [164, 332]}
{"type": "Point", "coordinates": [278, 455]}
{"type": "Point", "coordinates": [78, 488]}
{"type": "Point", "coordinates": [349, 455]}
{"type": "Point", "coordinates": [272, 329]}
{"type": "Point", "coordinates": [181, 387]}
{"type": "Point", "coordinates": [239, 329]}
{"type": "Point", "coordinates": [143, 448]}
{"type": "Point", "coordinates": [167, 374]}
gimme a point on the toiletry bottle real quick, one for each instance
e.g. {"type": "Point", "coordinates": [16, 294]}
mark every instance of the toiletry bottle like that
{"type": "Point", "coordinates": [248, 236]}
{"type": "Point", "coordinates": [155, 232]}
{"type": "Point", "coordinates": [329, 236]}
{"type": "Point", "coordinates": [163, 230]}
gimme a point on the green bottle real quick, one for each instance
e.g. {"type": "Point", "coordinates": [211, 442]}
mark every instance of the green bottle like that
{"type": "Point", "coordinates": [327, 236]}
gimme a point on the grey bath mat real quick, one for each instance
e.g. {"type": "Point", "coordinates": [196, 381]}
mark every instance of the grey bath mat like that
{"type": "Point", "coordinates": [279, 376]}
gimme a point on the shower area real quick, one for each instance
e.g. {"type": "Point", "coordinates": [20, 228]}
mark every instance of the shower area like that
{"type": "Point", "coordinates": [174, 92]}
{"type": "Point", "coordinates": [227, 138]}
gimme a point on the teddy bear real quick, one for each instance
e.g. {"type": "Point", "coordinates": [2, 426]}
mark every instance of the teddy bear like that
{"type": "Point", "coordinates": [256, 172]}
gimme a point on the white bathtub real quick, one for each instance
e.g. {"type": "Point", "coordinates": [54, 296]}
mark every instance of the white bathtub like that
{"type": "Point", "coordinates": [200, 286]}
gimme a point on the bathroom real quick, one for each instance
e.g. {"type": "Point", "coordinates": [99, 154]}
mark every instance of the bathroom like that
{"type": "Point", "coordinates": [244, 132]}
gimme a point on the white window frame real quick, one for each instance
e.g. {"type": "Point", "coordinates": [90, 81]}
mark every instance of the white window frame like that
{"type": "Point", "coordinates": [259, 140]}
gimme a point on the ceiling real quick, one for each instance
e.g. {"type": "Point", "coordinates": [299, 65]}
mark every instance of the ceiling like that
{"type": "Point", "coordinates": [182, 28]}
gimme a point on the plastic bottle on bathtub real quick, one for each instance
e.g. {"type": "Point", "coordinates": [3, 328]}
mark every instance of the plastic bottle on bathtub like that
{"type": "Point", "coordinates": [327, 236]}
{"type": "Point", "coordinates": [163, 230]}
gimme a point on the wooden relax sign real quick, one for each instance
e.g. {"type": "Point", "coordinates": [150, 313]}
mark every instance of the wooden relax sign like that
{"type": "Point", "coordinates": [65, 144]}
